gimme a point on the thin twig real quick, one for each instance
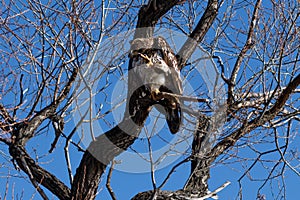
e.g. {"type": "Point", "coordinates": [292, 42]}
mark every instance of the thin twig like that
{"type": "Point", "coordinates": [151, 160]}
{"type": "Point", "coordinates": [21, 96]}
{"type": "Point", "coordinates": [283, 153]}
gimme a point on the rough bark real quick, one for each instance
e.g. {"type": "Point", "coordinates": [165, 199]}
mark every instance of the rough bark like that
{"type": "Point", "coordinates": [37, 174]}
{"type": "Point", "coordinates": [149, 15]}
{"type": "Point", "coordinates": [100, 153]}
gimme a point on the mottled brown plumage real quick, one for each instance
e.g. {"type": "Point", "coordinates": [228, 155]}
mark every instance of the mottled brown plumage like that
{"type": "Point", "coordinates": [154, 70]}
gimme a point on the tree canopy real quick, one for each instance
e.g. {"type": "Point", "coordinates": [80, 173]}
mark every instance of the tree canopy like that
{"type": "Point", "coordinates": [65, 89]}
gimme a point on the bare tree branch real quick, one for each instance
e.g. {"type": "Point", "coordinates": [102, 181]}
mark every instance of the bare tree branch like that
{"type": "Point", "coordinates": [44, 45]}
{"type": "Point", "coordinates": [149, 15]}
{"type": "Point", "coordinates": [198, 33]}
{"type": "Point", "coordinates": [270, 114]}
{"type": "Point", "coordinates": [38, 174]}
{"type": "Point", "coordinates": [248, 45]}
{"type": "Point", "coordinates": [108, 185]}
{"type": "Point", "coordinates": [28, 128]}
{"type": "Point", "coordinates": [24, 131]}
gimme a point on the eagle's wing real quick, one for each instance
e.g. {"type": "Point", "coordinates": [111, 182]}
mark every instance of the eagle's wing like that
{"type": "Point", "coordinates": [173, 85]}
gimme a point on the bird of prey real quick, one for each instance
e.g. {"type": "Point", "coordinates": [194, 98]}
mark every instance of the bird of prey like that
{"type": "Point", "coordinates": [155, 69]}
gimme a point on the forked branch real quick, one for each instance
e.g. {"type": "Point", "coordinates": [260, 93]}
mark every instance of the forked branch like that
{"type": "Point", "coordinates": [266, 116]}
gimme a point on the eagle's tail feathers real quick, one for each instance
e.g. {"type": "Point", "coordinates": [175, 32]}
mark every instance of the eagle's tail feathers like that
{"type": "Point", "coordinates": [173, 117]}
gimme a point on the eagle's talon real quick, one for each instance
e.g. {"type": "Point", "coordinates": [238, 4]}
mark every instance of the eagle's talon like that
{"type": "Point", "coordinates": [148, 60]}
{"type": "Point", "coordinates": [173, 104]}
{"type": "Point", "coordinates": [155, 94]}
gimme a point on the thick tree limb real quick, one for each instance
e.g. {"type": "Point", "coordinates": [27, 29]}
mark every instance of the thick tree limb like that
{"type": "Point", "coordinates": [198, 33]}
{"type": "Point", "coordinates": [150, 14]}
{"type": "Point", "coordinates": [39, 175]}
{"type": "Point", "coordinates": [200, 164]}
{"type": "Point", "coordinates": [99, 154]}
{"type": "Point", "coordinates": [177, 195]}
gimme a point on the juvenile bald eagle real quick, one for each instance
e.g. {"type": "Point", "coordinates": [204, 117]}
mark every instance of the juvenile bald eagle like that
{"type": "Point", "coordinates": [155, 69]}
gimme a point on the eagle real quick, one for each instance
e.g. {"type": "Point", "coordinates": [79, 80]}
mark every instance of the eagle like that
{"type": "Point", "coordinates": [155, 69]}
